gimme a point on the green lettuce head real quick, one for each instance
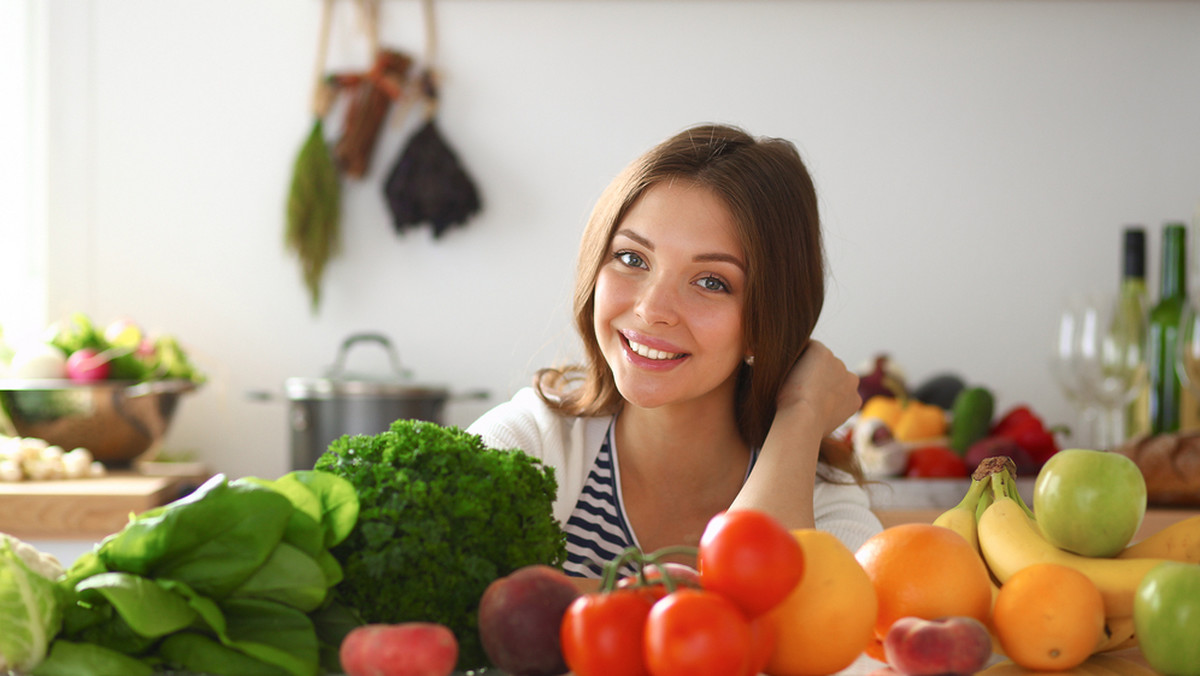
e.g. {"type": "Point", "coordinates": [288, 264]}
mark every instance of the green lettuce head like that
{"type": "Point", "coordinates": [30, 611]}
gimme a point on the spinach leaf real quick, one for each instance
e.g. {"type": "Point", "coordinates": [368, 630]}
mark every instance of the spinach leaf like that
{"type": "Point", "coordinates": [213, 539]}
{"type": "Point", "coordinates": [67, 658]}
{"type": "Point", "coordinates": [201, 654]}
{"type": "Point", "coordinates": [150, 609]}
{"type": "Point", "coordinates": [339, 502]}
{"type": "Point", "coordinates": [273, 633]}
{"type": "Point", "coordinates": [290, 577]}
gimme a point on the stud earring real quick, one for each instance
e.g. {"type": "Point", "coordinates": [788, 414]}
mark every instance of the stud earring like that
{"type": "Point", "coordinates": [749, 360]}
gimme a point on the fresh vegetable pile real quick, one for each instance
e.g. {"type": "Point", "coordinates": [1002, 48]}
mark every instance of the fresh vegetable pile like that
{"type": "Point", "coordinates": [441, 516]}
{"type": "Point", "coordinates": [232, 579]}
{"type": "Point", "coordinates": [79, 350]}
{"type": "Point", "coordinates": [942, 427]}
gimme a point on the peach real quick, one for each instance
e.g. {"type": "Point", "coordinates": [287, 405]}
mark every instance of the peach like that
{"type": "Point", "coordinates": [948, 645]}
{"type": "Point", "coordinates": [519, 620]}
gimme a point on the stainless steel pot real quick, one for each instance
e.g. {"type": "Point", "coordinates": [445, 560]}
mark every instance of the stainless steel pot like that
{"type": "Point", "coordinates": [325, 408]}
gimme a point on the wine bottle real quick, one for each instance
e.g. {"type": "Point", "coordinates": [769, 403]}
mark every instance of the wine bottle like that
{"type": "Point", "coordinates": [1166, 389]}
{"type": "Point", "coordinates": [1130, 320]}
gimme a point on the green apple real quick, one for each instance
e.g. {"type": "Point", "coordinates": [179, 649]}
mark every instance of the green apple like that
{"type": "Point", "coordinates": [1089, 502]}
{"type": "Point", "coordinates": [1166, 618]}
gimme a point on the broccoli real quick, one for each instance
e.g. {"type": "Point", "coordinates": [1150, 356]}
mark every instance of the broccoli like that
{"type": "Point", "coordinates": [440, 517]}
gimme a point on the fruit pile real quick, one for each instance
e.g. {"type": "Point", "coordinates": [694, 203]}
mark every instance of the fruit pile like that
{"type": "Point", "coordinates": [751, 608]}
{"type": "Point", "coordinates": [1053, 593]}
{"type": "Point", "coordinates": [1056, 585]}
{"type": "Point", "coordinates": [942, 427]}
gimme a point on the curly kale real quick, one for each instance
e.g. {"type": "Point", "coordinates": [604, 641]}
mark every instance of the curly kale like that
{"type": "Point", "coordinates": [440, 517]}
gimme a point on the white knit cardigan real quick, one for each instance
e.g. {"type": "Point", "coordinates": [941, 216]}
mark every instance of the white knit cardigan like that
{"type": "Point", "coordinates": [570, 445]}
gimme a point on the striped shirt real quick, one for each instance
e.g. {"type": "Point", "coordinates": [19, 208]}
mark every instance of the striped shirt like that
{"type": "Point", "coordinates": [597, 531]}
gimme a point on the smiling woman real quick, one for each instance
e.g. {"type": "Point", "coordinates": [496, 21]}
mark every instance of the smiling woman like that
{"type": "Point", "coordinates": [700, 279]}
{"type": "Point", "coordinates": [669, 301]}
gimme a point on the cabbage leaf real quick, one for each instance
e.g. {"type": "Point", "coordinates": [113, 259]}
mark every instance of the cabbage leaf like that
{"type": "Point", "coordinates": [30, 611]}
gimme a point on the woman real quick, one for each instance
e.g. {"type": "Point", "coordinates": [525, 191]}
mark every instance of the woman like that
{"type": "Point", "coordinates": [700, 279]}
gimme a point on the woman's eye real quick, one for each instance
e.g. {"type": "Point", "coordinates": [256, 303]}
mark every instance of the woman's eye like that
{"type": "Point", "coordinates": [630, 258]}
{"type": "Point", "coordinates": [713, 284]}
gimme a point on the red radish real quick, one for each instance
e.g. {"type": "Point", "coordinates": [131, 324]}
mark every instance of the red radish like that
{"type": "Point", "coordinates": [407, 649]}
{"type": "Point", "coordinates": [85, 365]}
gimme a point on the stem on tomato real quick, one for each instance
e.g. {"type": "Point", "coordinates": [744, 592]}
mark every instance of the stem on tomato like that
{"type": "Point", "coordinates": [632, 554]}
{"type": "Point", "coordinates": [612, 569]}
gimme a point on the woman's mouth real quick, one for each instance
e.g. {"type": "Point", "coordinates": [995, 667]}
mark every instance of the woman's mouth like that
{"type": "Point", "coordinates": [652, 353]}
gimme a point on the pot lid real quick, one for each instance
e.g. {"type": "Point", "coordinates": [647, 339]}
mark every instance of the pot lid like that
{"type": "Point", "coordinates": [338, 383]}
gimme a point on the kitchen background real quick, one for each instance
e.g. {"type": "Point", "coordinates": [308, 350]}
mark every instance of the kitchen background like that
{"type": "Point", "coordinates": [976, 161]}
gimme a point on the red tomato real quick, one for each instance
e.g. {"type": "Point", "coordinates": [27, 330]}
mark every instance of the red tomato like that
{"type": "Point", "coordinates": [751, 559]}
{"type": "Point", "coordinates": [602, 633]}
{"type": "Point", "coordinates": [930, 462]}
{"type": "Point", "coordinates": [693, 632]}
{"type": "Point", "coordinates": [764, 632]}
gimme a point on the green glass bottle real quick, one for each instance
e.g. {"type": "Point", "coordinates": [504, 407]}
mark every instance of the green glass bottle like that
{"type": "Point", "coordinates": [1130, 319]}
{"type": "Point", "coordinates": [1166, 389]}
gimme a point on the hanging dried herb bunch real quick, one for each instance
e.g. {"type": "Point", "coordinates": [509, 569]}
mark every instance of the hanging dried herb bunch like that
{"type": "Point", "coordinates": [313, 230]}
{"type": "Point", "coordinates": [314, 211]}
{"type": "Point", "coordinates": [428, 183]}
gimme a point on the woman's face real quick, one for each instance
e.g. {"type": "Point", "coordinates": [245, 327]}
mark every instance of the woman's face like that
{"type": "Point", "coordinates": [669, 298]}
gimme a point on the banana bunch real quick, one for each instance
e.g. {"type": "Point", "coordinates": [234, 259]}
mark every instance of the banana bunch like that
{"type": "Point", "coordinates": [995, 519]}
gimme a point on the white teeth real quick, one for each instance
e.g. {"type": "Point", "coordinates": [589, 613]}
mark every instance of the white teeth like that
{"type": "Point", "coordinates": [652, 354]}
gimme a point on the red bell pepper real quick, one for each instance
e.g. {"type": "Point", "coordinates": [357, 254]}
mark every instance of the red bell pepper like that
{"type": "Point", "coordinates": [1027, 430]}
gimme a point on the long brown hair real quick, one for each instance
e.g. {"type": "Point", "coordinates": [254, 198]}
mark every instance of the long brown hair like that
{"type": "Point", "coordinates": [770, 195]}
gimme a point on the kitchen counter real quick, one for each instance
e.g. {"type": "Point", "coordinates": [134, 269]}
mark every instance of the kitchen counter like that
{"type": "Point", "coordinates": [1129, 661]}
{"type": "Point", "coordinates": [83, 508]}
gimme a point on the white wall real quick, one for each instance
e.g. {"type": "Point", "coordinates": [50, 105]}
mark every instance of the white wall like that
{"type": "Point", "coordinates": [976, 161]}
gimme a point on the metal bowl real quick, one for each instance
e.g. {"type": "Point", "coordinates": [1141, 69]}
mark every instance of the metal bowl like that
{"type": "Point", "coordinates": [116, 420]}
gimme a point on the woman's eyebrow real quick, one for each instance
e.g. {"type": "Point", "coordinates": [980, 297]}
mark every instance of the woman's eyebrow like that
{"type": "Point", "coordinates": [637, 238]}
{"type": "Point", "coordinates": [720, 258]}
{"type": "Point", "coordinates": [699, 258]}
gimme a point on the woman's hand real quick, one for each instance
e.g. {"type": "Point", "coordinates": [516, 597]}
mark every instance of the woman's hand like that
{"type": "Point", "coordinates": [818, 394]}
{"type": "Point", "coordinates": [820, 383]}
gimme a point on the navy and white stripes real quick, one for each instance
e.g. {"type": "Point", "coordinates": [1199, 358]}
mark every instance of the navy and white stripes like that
{"type": "Point", "coordinates": [596, 530]}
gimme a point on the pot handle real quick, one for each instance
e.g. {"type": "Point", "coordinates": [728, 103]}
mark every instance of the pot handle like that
{"type": "Point", "coordinates": [339, 364]}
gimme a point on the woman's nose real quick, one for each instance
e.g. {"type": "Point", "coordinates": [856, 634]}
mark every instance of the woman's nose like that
{"type": "Point", "coordinates": [658, 302]}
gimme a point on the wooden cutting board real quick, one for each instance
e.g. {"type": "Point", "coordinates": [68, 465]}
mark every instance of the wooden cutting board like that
{"type": "Point", "coordinates": [83, 508]}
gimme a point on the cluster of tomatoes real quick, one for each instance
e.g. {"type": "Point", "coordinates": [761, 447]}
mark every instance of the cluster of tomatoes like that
{"type": "Point", "coordinates": [714, 621]}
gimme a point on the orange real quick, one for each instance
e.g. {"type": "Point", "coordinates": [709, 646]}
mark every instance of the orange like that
{"type": "Point", "coordinates": [1048, 617]}
{"type": "Point", "coordinates": [829, 618]}
{"type": "Point", "coordinates": [926, 571]}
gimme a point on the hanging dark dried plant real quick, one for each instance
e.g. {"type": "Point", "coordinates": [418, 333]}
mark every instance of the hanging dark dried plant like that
{"type": "Point", "coordinates": [428, 184]}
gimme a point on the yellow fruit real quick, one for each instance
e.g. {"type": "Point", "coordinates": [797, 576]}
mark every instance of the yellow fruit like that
{"type": "Point", "coordinates": [829, 618]}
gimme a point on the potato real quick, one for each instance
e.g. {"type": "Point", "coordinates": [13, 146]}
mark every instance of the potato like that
{"type": "Point", "coordinates": [407, 649]}
{"type": "Point", "coordinates": [519, 620]}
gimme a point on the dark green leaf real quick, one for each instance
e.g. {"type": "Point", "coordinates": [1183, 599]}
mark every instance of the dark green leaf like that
{"type": "Point", "coordinates": [273, 633]}
{"type": "Point", "coordinates": [67, 658]}
{"type": "Point", "coordinates": [290, 577]}
{"type": "Point", "coordinates": [212, 540]}
{"type": "Point", "coordinates": [201, 654]}
{"type": "Point", "coordinates": [148, 608]}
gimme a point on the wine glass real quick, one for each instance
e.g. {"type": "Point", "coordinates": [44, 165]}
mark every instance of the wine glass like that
{"type": "Point", "coordinates": [1112, 364]}
{"type": "Point", "coordinates": [1187, 347]}
{"type": "Point", "coordinates": [1099, 363]}
{"type": "Point", "coordinates": [1065, 368]}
